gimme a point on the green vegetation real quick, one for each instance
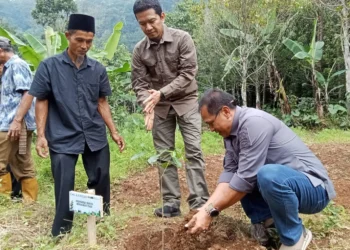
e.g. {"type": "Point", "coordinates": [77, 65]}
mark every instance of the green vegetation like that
{"type": "Point", "coordinates": [28, 227]}
{"type": "Point", "coordinates": [248, 48]}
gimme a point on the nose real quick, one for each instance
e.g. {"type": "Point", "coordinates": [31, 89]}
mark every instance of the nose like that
{"type": "Point", "coordinates": [83, 45]}
{"type": "Point", "coordinates": [148, 27]}
{"type": "Point", "coordinates": [211, 128]}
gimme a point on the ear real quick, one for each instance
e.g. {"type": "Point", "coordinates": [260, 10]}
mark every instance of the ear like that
{"type": "Point", "coordinates": [162, 17]}
{"type": "Point", "coordinates": [67, 34]}
{"type": "Point", "coordinates": [226, 111]}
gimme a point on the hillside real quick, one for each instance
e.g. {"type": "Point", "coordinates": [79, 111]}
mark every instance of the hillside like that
{"type": "Point", "coordinates": [17, 15]}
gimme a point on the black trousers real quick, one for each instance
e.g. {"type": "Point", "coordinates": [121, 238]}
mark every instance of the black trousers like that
{"type": "Point", "coordinates": [96, 166]}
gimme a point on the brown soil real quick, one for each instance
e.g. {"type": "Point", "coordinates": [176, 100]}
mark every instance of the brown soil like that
{"type": "Point", "coordinates": [224, 233]}
{"type": "Point", "coordinates": [228, 231]}
{"type": "Point", "coordinates": [336, 158]}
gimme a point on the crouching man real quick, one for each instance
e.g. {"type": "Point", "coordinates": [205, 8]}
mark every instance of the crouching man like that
{"type": "Point", "coordinates": [267, 168]}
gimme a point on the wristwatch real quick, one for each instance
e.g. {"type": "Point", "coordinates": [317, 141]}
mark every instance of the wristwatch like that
{"type": "Point", "coordinates": [212, 211]}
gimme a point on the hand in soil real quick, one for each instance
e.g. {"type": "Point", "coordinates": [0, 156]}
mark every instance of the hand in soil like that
{"type": "Point", "coordinates": [200, 222]}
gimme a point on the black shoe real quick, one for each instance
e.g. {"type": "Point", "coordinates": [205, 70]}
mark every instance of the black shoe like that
{"type": "Point", "coordinates": [167, 212]}
{"type": "Point", "coordinates": [266, 236]}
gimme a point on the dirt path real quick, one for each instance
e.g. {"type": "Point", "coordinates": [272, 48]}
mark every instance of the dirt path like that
{"type": "Point", "coordinates": [230, 231]}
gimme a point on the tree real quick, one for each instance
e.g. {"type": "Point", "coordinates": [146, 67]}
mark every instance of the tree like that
{"type": "Point", "coordinates": [312, 57]}
{"type": "Point", "coordinates": [185, 16]}
{"type": "Point", "coordinates": [54, 13]}
{"type": "Point", "coordinates": [341, 8]}
{"type": "Point", "coordinates": [33, 51]}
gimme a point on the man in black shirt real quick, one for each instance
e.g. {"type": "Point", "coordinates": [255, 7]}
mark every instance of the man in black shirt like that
{"type": "Point", "coordinates": [71, 115]}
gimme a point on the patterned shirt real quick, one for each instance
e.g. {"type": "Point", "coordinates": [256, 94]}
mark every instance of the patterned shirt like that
{"type": "Point", "coordinates": [16, 78]}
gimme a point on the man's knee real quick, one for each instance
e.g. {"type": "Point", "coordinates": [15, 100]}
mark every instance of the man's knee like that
{"type": "Point", "coordinates": [267, 175]}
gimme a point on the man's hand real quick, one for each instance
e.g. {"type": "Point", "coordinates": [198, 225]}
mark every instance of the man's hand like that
{"type": "Point", "coordinates": [14, 130]}
{"type": "Point", "coordinates": [151, 101]}
{"type": "Point", "coordinates": [199, 222]}
{"type": "Point", "coordinates": [149, 118]}
{"type": "Point", "coordinates": [117, 138]}
{"type": "Point", "coordinates": [42, 147]}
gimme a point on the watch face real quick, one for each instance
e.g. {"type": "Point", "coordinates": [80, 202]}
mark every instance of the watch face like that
{"type": "Point", "coordinates": [214, 213]}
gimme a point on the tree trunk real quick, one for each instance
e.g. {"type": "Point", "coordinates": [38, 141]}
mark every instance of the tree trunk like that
{"type": "Point", "coordinates": [285, 107]}
{"type": "Point", "coordinates": [264, 93]}
{"type": "Point", "coordinates": [244, 81]}
{"type": "Point", "coordinates": [257, 87]}
{"type": "Point", "coordinates": [319, 37]}
{"type": "Point", "coordinates": [317, 93]}
{"type": "Point", "coordinates": [257, 95]}
{"type": "Point", "coordinates": [345, 27]}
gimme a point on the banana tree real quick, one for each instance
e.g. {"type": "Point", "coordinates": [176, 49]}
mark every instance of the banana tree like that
{"type": "Point", "coordinates": [252, 38]}
{"type": "Point", "coordinates": [311, 56]}
{"type": "Point", "coordinates": [324, 82]}
{"type": "Point", "coordinates": [33, 51]}
{"type": "Point", "coordinates": [110, 47]}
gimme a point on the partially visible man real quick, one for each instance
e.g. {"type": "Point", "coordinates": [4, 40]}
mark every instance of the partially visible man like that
{"type": "Point", "coordinates": [164, 67]}
{"type": "Point", "coordinates": [17, 123]}
{"type": "Point", "coordinates": [267, 168]}
{"type": "Point", "coordinates": [16, 186]}
{"type": "Point", "coordinates": [71, 114]}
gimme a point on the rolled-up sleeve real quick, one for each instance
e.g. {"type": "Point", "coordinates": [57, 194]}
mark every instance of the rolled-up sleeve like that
{"type": "Point", "coordinates": [255, 136]}
{"type": "Point", "coordinates": [41, 86]}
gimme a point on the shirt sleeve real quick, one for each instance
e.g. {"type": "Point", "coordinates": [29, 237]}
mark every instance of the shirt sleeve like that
{"type": "Point", "coordinates": [187, 68]}
{"type": "Point", "coordinates": [230, 163]}
{"type": "Point", "coordinates": [22, 77]}
{"type": "Point", "coordinates": [105, 87]}
{"type": "Point", "coordinates": [140, 78]}
{"type": "Point", "coordinates": [41, 86]}
{"type": "Point", "coordinates": [255, 136]}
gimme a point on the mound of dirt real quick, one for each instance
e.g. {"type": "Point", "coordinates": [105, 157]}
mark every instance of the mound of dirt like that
{"type": "Point", "coordinates": [225, 233]}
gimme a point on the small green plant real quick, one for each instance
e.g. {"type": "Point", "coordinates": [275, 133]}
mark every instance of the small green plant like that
{"type": "Point", "coordinates": [332, 217]}
{"type": "Point", "coordinates": [156, 160]}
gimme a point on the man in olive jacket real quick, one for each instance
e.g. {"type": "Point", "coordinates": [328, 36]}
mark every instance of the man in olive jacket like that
{"type": "Point", "coordinates": [164, 67]}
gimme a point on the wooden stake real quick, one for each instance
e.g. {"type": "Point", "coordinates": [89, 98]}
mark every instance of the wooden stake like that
{"type": "Point", "coordinates": [91, 225]}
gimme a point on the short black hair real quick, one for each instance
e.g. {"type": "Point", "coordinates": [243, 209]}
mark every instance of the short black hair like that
{"type": "Point", "coordinates": [142, 5]}
{"type": "Point", "coordinates": [215, 99]}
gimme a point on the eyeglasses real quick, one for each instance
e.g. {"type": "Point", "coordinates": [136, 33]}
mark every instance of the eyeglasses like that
{"type": "Point", "coordinates": [216, 116]}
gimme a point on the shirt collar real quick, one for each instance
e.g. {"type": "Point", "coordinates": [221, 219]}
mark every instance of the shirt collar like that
{"type": "Point", "coordinates": [67, 59]}
{"type": "Point", "coordinates": [167, 37]}
{"type": "Point", "coordinates": [10, 61]}
{"type": "Point", "coordinates": [235, 121]}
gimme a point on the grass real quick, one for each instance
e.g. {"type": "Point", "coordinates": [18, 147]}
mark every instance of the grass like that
{"type": "Point", "coordinates": [28, 227]}
{"type": "Point", "coordinates": [323, 136]}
